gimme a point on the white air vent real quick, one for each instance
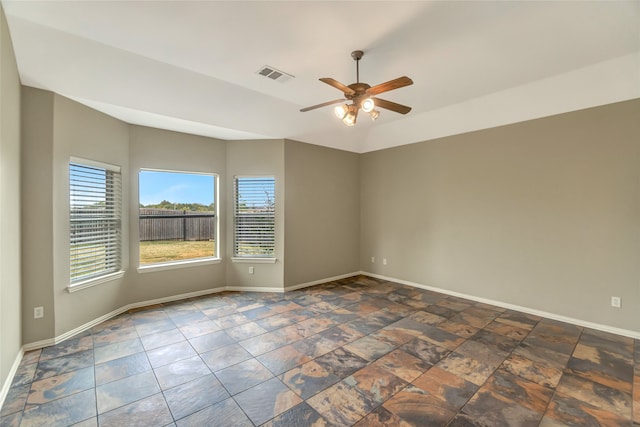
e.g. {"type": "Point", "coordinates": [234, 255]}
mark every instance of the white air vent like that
{"type": "Point", "coordinates": [273, 74]}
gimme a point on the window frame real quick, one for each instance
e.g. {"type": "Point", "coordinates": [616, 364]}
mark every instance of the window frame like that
{"type": "Point", "coordinates": [112, 220]}
{"type": "Point", "coordinates": [191, 262]}
{"type": "Point", "coordinates": [253, 258]}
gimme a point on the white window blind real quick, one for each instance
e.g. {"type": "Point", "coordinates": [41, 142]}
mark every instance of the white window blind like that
{"type": "Point", "coordinates": [254, 217]}
{"type": "Point", "coordinates": [94, 217]}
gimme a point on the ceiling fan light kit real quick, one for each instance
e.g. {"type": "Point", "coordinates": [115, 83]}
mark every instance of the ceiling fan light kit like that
{"type": "Point", "coordinates": [362, 96]}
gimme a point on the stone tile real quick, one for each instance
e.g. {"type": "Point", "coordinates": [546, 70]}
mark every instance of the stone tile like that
{"type": "Point", "coordinates": [452, 391]}
{"type": "Point", "coordinates": [460, 329]}
{"type": "Point", "coordinates": [155, 327]}
{"type": "Point", "coordinates": [243, 375]}
{"type": "Point", "coordinates": [275, 322]}
{"type": "Point", "coordinates": [442, 338]}
{"type": "Point", "coordinates": [58, 386]}
{"type": "Point", "coordinates": [598, 395]}
{"type": "Point", "coordinates": [602, 366]}
{"type": "Point", "coordinates": [189, 319]}
{"type": "Point", "coordinates": [419, 408]}
{"type": "Point", "coordinates": [341, 362]}
{"type": "Point", "coordinates": [226, 413]}
{"type": "Point", "coordinates": [518, 319]}
{"type": "Point", "coordinates": [62, 365]}
{"type": "Point", "coordinates": [308, 379]}
{"type": "Point", "coordinates": [121, 368]}
{"type": "Point", "coordinates": [341, 334]}
{"type": "Point", "coordinates": [370, 347]}
{"type": "Point", "coordinates": [170, 353]}
{"type": "Point", "coordinates": [523, 392]}
{"type": "Point", "coordinates": [266, 400]}
{"type": "Point", "coordinates": [12, 420]}
{"type": "Point", "coordinates": [30, 357]}
{"type": "Point", "coordinates": [180, 372]}
{"type": "Point", "coordinates": [16, 399]}
{"type": "Point", "coordinates": [211, 341]}
{"type": "Point", "coordinates": [300, 415]}
{"type": "Point", "coordinates": [69, 346]}
{"type": "Point", "coordinates": [264, 343]}
{"type": "Point", "coordinates": [426, 351]}
{"type": "Point", "coordinates": [231, 320]}
{"type": "Point", "coordinates": [564, 410]}
{"type": "Point", "coordinates": [150, 411]}
{"type": "Point", "coordinates": [62, 412]}
{"type": "Point", "coordinates": [195, 395]}
{"type": "Point", "coordinates": [314, 326]}
{"type": "Point", "coordinates": [315, 346]}
{"type": "Point", "coordinates": [122, 392]}
{"type": "Point", "coordinates": [375, 384]}
{"type": "Point", "coordinates": [501, 342]}
{"type": "Point", "coordinates": [382, 418]}
{"type": "Point", "coordinates": [537, 364]}
{"type": "Point", "coordinates": [283, 359]}
{"type": "Point", "coordinates": [226, 356]}
{"type": "Point", "coordinates": [247, 330]}
{"type": "Point", "coordinates": [402, 365]}
{"type": "Point", "coordinates": [340, 404]}
{"type": "Point", "coordinates": [471, 369]}
{"type": "Point", "coordinates": [486, 409]}
{"type": "Point", "coordinates": [507, 330]}
{"type": "Point", "coordinates": [117, 350]}
{"type": "Point", "coordinates": [199, 328]}
{"type": "Point", "coordinates": [160, 339]}
{"type": "Point", "coordinates": [24, 374]}
{"type": "Point", "coordinates": [109, 336]}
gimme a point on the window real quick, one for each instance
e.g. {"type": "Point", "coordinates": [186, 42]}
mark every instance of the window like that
{"type": "Point", "coordinates": [177, 217]}
{"type": "Point", "coordinates": [254, 217]}
{"type": "Point", "coordinates": [94, 219]}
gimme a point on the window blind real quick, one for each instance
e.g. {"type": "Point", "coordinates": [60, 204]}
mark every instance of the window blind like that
{"type": "Point", "coordinates": [254, 216]}
{"type": "Point", "coordinates": [94, 218]}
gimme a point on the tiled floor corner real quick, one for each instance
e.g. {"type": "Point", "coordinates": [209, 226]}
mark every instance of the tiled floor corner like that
{"type": "Point", "coordinates": [358, 351]}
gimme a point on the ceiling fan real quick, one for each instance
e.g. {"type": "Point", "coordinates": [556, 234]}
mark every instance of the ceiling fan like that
{"type": "Point", "coordinates": [363, 96]}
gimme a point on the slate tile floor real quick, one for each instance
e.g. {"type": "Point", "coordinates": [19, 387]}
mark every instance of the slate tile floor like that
{"type": "Point", "coordinates": [357, 352]}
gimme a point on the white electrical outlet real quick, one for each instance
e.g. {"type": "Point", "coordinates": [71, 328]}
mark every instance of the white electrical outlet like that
{"type": "Point", "coordinates": [384, 261]}
{"type": "Point", "coordinates": [616, 302]}
{"type": "Point", "coordinates": [373, 260]}
{"type": "Point", "coordinates": [250, 270]}
{"type": "Point", "coordinates": [38, 312]}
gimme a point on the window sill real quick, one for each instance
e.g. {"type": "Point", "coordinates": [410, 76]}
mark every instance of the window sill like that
{"type": "Point", "coordinates": [256, 260]}
{"type": "Point", "coordinates": [95, 281]}
{"type": "Point", "coordinates": [177, 264]}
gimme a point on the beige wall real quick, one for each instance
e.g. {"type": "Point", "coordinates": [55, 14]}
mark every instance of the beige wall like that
{"type": "Point", "coordinates": [37, 213]}
{"type": "Point", "coordinates": [543, 214]}
{"type": "Point", "coordinates": [165, 150]}
{"type": "Point", "coordinates": [82, 132]}
{"type": "Point", "coordinates": [10, 339]}
{"type": "Point", "coordinates": [256, 158]}
{"type": "Point", "coordinates": [322, 228]}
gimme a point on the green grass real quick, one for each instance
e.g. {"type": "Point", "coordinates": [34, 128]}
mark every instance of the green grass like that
{"type": "Point", "coordinates": [174, 250]}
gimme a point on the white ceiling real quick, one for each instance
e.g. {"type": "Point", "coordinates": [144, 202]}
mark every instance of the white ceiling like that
{"type": "Point", "coordinates": [190, 66]}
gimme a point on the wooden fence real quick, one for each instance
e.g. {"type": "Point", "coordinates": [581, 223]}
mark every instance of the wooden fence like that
{"type": "Point", "coordinates": [165, 224]}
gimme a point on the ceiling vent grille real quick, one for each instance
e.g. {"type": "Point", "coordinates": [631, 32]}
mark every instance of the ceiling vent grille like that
{"type": "Point", "coordinates": [274, 74]}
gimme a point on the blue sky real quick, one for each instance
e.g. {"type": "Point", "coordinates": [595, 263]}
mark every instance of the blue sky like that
{"type": "Point", "coordinates": [175, 187]}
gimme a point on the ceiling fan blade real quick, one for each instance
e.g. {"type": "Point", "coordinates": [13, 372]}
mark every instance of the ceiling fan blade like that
{"type": "Point", "coordinates": [331, 82]}
{"type": "Point", "coordinates": [390, 85]}
{"type": "Point", "coordinates": [324, 104]}
{"type": "Point", "coordinates": [388, 105]}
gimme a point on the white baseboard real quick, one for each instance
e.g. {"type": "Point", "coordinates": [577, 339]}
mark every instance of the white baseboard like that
{"type": "Point", "coordinates": [321, 281]}
{"type": "Point", "coordinates": [58, 339]}
{"type": "Point", "coordinates": [12, 373]}
{"type": "Point", "coordinates": [535, 312]}
{"type": "Point", "coordinates": [253, 289]}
